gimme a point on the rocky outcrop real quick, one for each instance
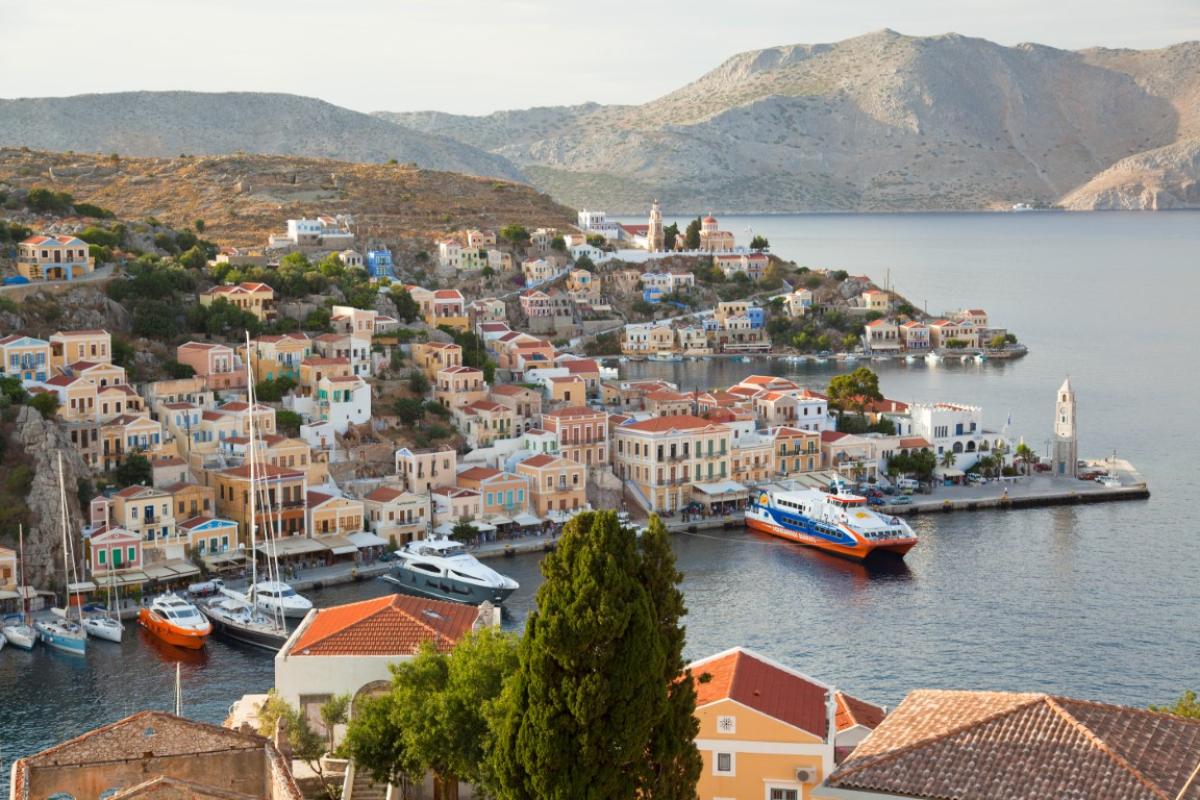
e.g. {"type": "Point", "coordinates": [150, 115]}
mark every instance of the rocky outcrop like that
{"type": "Point", "coordinates": [1161, 179]}
{"type": "Point", "coordinates": [81, 307]}
{"type": "Point", "coordinates": [43, 441]}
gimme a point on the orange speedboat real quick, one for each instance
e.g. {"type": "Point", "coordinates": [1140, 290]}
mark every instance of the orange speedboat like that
{"type": "Point", "coordinates": [175, 621]}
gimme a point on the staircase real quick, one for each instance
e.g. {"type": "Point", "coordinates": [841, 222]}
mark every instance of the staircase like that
{"type": "Point", "coordinates": [359, 786]}
{"type": "Point", "coordinates": [635, 492]}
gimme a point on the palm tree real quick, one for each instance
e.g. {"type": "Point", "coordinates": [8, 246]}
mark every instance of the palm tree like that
{"type": "Point", "coordinates": [948, 459]}
{"type": "Point", "coordinates": [1025, 453]}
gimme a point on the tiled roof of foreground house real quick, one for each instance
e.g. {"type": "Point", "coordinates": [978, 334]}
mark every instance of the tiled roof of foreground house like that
{"type": "Point", "coordinates": [985, 745]}
{"type": "Point", "coordinates": [155, 741]}
{"type": "Point", "coordinates": [395, 624]}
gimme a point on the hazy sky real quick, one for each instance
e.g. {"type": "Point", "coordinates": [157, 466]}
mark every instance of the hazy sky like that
{"type": "Point", "coordinates": [476, 56]}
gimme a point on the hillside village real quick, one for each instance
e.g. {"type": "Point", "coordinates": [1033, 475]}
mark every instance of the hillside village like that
{"type": "Point", "coordinates": [461, 389]}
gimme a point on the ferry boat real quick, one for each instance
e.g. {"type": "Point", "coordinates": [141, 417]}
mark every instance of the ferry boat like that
{"type": "Point", "coordinates": [836, 523]}
{"type": "Point", "coordinates": [443, 569]}
{"type": "Point", "coordinates": [175, 621]}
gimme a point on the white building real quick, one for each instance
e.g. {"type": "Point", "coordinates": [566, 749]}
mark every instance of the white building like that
{"type": "Point", "coordinates": [350, 649]}
{"type": "Point", "coordinates": [449, 254]}
{"type": "Point", "coordinates": [596, 222]}
{"type": "Point", "coordinates": [950, 427]}
{"type": "Point", "coordinates": [343, 400]}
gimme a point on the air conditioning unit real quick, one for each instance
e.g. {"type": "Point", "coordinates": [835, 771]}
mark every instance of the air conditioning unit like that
{"type": "Point", "coordinates": [806, 775]}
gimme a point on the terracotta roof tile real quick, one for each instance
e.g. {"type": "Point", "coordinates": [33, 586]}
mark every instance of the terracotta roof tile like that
{"type": "Point", "coordinates": [852, 712]}
{"type": "Point", "coordinates": [753, 681]}
{"type": "Point", "coordinates": [977, 745]}
{"type": "Point", "coordinates": [395, 624]}
{"type": "Point", "coordinates": [681, 422]}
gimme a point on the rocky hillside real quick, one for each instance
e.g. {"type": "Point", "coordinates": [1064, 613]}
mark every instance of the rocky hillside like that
{"type": "Point", "coordinates": [1164, 178]}
{"type": "Point", "coordinates": [243, 198]}
{"type": "Point", "coordinates": [878, 122]}
{"type": "Point", "coordinates": [196, 123]}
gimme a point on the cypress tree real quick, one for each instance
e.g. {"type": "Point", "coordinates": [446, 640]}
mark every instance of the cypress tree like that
{"type": "Point", "coordinates": [673, 764]}
{"type": "Point", "coordinates": [588, 693]}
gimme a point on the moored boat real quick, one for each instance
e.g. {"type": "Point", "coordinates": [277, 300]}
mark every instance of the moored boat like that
{"type": "Point", "coordinates": [836, 523]}
{"type": "Point", "coordinates": [234, 618]}
{"type": "Point", "coordinates": [102, 626]}
{"type": "Point", "coordinates": [175, 621]}
{"type": "Point", "coordinates": [443, 569]}
{"type": "Point", "coordinates": [19, 633]}
{"type": "Point", "coordinates": [275, 597]}
{"type": "Point", "coordinates": [62, 634]}
{"type": "Point", "coordinates": [932, 358]}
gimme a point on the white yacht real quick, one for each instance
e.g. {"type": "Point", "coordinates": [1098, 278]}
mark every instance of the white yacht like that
{"type": "Point", "coordinates": [443, 569]}
{"type": "Point", "coordinates": [233, 617]}
{"type": "Point", "coordinates": [276, 596]}
{"type": "Point", "coordinates": [932, 358]}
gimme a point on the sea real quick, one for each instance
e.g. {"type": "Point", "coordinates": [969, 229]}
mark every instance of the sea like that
{"type": "Point", "coordinates": [1097, 601]}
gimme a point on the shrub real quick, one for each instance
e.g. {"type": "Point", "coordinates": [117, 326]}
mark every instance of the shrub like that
{"type": "Point", "coordinates": [46, 404]}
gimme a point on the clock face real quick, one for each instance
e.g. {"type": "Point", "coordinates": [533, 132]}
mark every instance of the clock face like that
{"type": "Point", "coordinates": [726, 724]}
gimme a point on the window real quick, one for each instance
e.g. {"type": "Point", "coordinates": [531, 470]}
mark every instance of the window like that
{"type": "Point", "coordinates": [132, 554]}
{"type": "Point", "coordinates": [723, 764]}
{"type": "Point", "coordinates": [780, 793]}
{"type": "Point", "coordinates": [101, 557]}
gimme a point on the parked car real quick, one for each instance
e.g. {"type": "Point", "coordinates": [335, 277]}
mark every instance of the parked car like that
{"type": "Point", "coordinates": [16, 280]}
{"type": "Point", "coordinates": [901, 500]}
{"type": "Point", "coordinates": [907, 483]}
{"type": "Point", "coordinates": [876, 500]}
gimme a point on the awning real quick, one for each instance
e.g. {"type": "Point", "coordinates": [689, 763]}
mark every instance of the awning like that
{"type": "Point", "coordinates": [81, 586]}
{"type": "Point", "coordinates": [948, 472]}
{"type": "Point", "coordinates": [526, 520]}
{"type": "Point", "coordinates": [130, 577]}
{"type": "Point", "coordinates": [228, 557]}
{"type": "Point", "coordinates": [363, 539]}
{"type": "Point", "coordinates": [340, 545]}
{"type": "Point", "coordinates": [7, 595]}
{"type": "Point", "coordinates": [482, 527]}
{"type": "Point", "coordinates": [444, 529]}
{"type": "Point", "coordinates": [721, 489]}
{"type": "Point", "coordinates": [500, 519]}
{"type": "Point", "coordinates": [170, 570]}
{"type": "Point", "coordinates": [290, 546]}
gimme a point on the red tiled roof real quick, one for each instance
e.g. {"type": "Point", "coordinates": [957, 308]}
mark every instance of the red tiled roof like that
{"type": "Point", "coordinates": [910, 442]}
{"type": "Point", "coordinates": [478, 473]}
{"type": "Point", "coordinates": [395, 624]}
{"type": "Point", "coordinates": [316, 498]}
{"type": "Point", "coordinates": [576, 365]}
{"type": "Point", "coordinates": [753, 681]}
{"type": "Point", "coordinates": [852, 712]}
{"type": "Point", "coordinates": [509, 389]}
{"type": "Point", "coordinates": [384, 494]}
{"type": "Point", "coordinates": [984, 745]}
{"type": "Point", "coordinates": [573, 411]}
{"type": "Point", "coordinates": [668, 423]}
{"type": "Point", "coordinates": [540, 460]}
{"type": "Point", "coordinates": [832, 436]}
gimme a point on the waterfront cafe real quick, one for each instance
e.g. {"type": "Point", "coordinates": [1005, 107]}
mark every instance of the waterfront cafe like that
{"type": "Point", "coordinates": [719, 498]}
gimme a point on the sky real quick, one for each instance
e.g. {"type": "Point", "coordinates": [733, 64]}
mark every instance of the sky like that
{"type": "Point", "coordinates": [478, 56]}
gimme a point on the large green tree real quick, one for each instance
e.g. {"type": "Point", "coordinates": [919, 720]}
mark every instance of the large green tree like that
{"type": "Point", "coordinates": [673, 763]}
{"type": "Point", "coordinates": [1187, 706]}
{"type": "Point", "coordinates": [588, 694]}
{"type": "Point", "coordinates": [854, 389]}
{"type": "Point", "coordinates": [692, 235]}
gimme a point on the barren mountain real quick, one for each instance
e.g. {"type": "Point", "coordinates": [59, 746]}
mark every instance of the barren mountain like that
{"type": "Point", "coordinates": [243, 198]}
{"type": "Point", "coordinates": [197, 123]}
{"type": "Point", "coordinates": [882, 121]}
{"type": "Point", "coordinates": [1164, 178]}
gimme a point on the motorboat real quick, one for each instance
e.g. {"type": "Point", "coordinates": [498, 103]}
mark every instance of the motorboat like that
{"type": "Point", "coordinates": [234, 618]}
{"type": "Point", "coordinates": [19, 633]}
{"type": "Point", "coordinates": [932, 358]}
{"type": "Point", "coordinates": [274, 597]}
{"type": "Point", "coordinates": [910, 359]}
{"type": "Point", "coordinates": [443, 569]}
{"type": "Point", "coordinates": [62, 634]}
{"type": "Point", "coordinates": [837, 523]}
{"type": "Point", "coordinates": [980, 358]}
{"type": "Point", "coordinates": [666, 355]}
{"type": "Point", "coordinates": [175, 621]}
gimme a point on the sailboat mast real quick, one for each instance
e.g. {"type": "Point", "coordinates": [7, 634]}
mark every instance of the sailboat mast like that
{"type": "Point", "coordinates": [21, 573]}
{"type": "Point", "coordinates": [68, 555]}
{"type": "Point", "coordinates": [178, 692]}
{"type": "Point", "coordinates": [253, 517]}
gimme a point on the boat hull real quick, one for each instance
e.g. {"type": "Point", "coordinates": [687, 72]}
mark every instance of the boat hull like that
{"type": "Point", "coordinates": [858, 551]}
{"type": "Point", "coordinates": [173, 634]}
{"type": "Point", "coordinates": [409, 581]}
{"type": "Point", "coordinates": [21, 636]}
{"type": "Point", "coordinates": [104, 630]}
{"type": "Point", "coordinates": [62, 640]}
{"type": "Point", "coordinates": [245, 634]}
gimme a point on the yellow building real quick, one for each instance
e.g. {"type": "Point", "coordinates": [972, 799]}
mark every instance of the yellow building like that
{"type": "Point", "coordinates": [666, 456]}
{"type": "Point", "coordinates": [67, 347]}
{"type": "Point", "coordinates": [256, 298]}
{"type": "Point", "coordinates": [54, 258]}
{"type": "Point", "coordinates": [433, 357]}
{"type": "Point", "coordinates": [276, 356]}
{"type": "Point", "coordinates": [555, 483]}
{"type": "Point", "coordinates": [394, 512]}
{"type": "Point", "coordinates": [332, 515]}
{"type": "Point", "coordinates": [767, 731]}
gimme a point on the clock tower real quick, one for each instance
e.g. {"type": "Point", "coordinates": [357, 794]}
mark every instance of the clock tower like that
{"type": "Point", "coordinates": [1065, 448]}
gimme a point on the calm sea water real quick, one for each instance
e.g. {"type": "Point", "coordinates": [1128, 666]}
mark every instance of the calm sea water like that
{"type": "Point", "coordinates": [1097, 601]}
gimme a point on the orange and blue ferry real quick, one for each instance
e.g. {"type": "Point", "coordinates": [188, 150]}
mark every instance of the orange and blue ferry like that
{"type": "Point", "coordinates": [837, 523]}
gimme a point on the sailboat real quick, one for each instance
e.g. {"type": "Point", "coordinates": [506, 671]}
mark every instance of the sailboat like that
{"type": "Point", "coordinates": [105, 624]}
{"type": "Point", "coordinates": [60, 631]}
{"type": "Point", "coordinates": [234, 614]}
{"type": "Point", "coordinates": [17, 630]}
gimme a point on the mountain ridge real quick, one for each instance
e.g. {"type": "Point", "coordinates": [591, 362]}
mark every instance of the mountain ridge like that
{"type": "Point", "coordinates": [882, 121]}
{"type": "Point", "coordinates": [167, 124]}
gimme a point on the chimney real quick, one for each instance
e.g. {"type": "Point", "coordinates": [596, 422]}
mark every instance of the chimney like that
{"type": "Point", "coordinates": [487, 617]}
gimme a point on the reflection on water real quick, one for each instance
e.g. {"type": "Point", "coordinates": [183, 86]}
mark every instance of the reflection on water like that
{"type": "Point", "coordinates": [1096, 601]}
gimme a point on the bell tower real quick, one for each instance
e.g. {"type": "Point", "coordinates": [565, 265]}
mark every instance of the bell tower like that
{"type": "Point", "coordinates": [655, 237]}
{"type": "Point", "coordinates": [1065, 448]}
